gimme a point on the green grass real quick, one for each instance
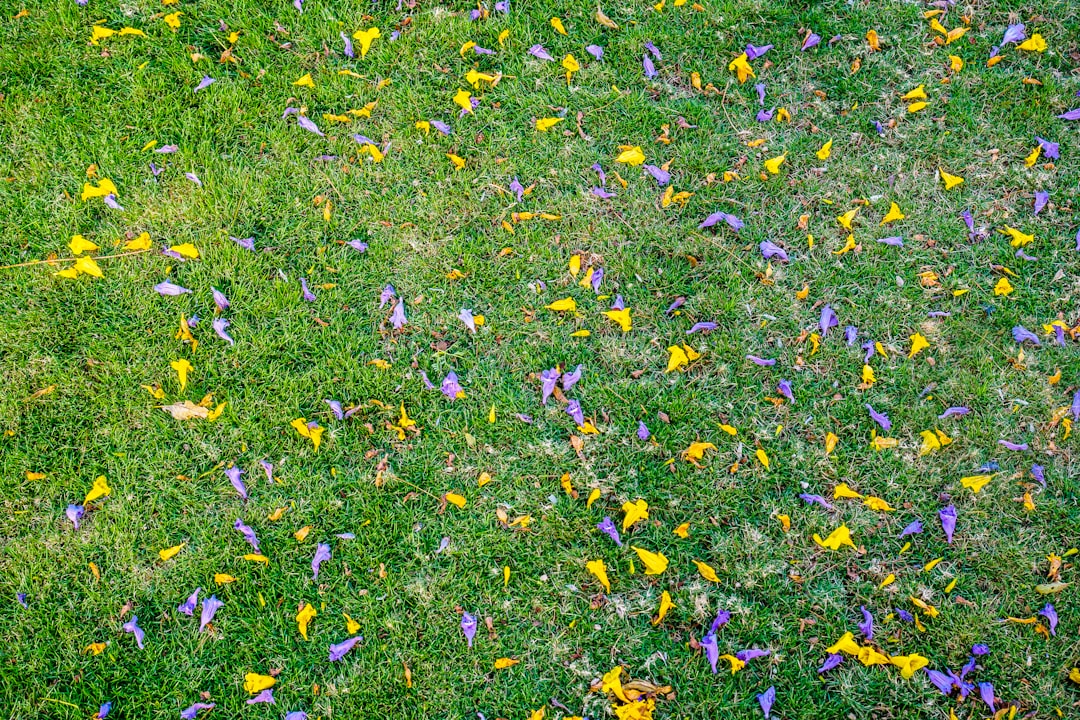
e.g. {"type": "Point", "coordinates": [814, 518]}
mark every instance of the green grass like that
{"type": "Point", "coordinates": [65, 104]}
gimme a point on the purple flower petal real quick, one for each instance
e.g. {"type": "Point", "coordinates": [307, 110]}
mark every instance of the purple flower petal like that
{"type": "Point", "coordinates": [308, 125]}
{"type": "Point", "coordinates": [349, 52]}
{"type": "Point", "coordinates": [248, 534]}
{"type": "Point", "coordinates": [607, 526]}
{"type": "Point", "coordinates": [811, 40]}
{"type": "Point", "coordinates": [866, 627]}
{"type": "Point", "coordinates": [246, 243]}
{"type": "Point", "coordinates": [643, 431]}
{"type": "Point", "coordinates": [268, 468]}
{"type": "Point", "coordinates": [219, 325]}
{"type": "Point", "coordinates": [1021, 334]}
{"type": "Point", "coordinates": [880, 418]}
{"type": "Point", "coordinates": [569, 380]}
{"type": "Point", "coordinates": [451, 388]}
{"type": "Point", "coordinates": [652, 49]}
{"type": "Point", "coordinates": [895, 241]}
{"type": "Point", "coordinates": [1071, 115]}
{"type": "Point", "coordinates": [702, 327]}
{"type": "Point", "coordinates": [210, 606]}
{"type": "Point", "coordinates": [1051, 616]}
{"type": "Point", "coordinates": [831, 662]}
{"type": "Point", "coordinates": [517, 188]}
{"type": "Point", "coordinates": [712, 650]}
{"type": "Point", "coordinates": [441, 127]}
{"type": "Point", "coordinates": [220, 300]}
{"type": "Point", "coordinates": [649, 68]}
{"type": "Point", "coordinates": [322, 554]}
{"type": "Point", "coordinates": [753, 52]}
{"type": "Point", "coordinates": [913, 528]}
{"type": "Point", "coordinates": [940, 680]}
{"type": "Point", "coordinates": [388, 293]}
{"type": "Point", "coordinates": [266, 696]}
{"type": "Point", "coordinates": [595, 50]}
{"type": "Point", "coordinates": [538, 51]}
{"type": "Point", "coordinates": [760, 88]}
{"type": "Point", "coordinates": [132, 626]}
{"type": "Point", "coordinates": [662, 177]}
{"type": "Point", "coordinates": [342, 648]}
{"type": "Point", "coordinates": [573, 409]}
{"type": "Point", "coordinates": [770, 250]}
{"type": "Point", "coordinates": [1038, 472]}
{"type": "Point", "coordinates": [851, 333]}
{"type": "Point", "coordinates": [723, 617]}
{"type": "Point", "coordinates": [784, 388]}
{"type": "Point", "coordinates": [193, 178]}
{"type": "Point", "coordinates": [188, 606]}
{"type": "Point", "coordinates": [110, 201]}
{"type": "Point", "coordinates": [733, 222]}
{"type": "Point", "coordinates": [358, 245]}
{"type": "Point", "coordinates": [1016, 447]}
{"type": "Point", "coordinates": [466, 317]}
{"type": "Point", "coordinates": [305, 291]}
{"type": "Point", "coordinates": [980, 650]}
{"type": "Point", "coordinates": [468, 627]}
{"type": "Point", "coordinates": [947, 515]}
{"type": "Point", "coordinates": [828, 320]}
{"type": "Point", "coordinates": [206, 82]}
{"type": "Point", "coordinates": [1050, 149]}
{"type": "Point", "coordinates": [1014, 34]}
{"type": "Point", "coordinates": [191, 712]}
{"type": "Point", "coordinates": [816, 500]}
{"type": "Point", "coordinates": [986, 692]}
{"type": "Point", "coordinates": [397, 318]}
{"type": "Point", "coordinates": [955, 411]}
{"type": "Point", "coordinates": [548, 380]}
{"type": "Point", "coordinates": [751, 654]}
{"type": "Point", "coordinates": [168, 288]}
{"type": "Point", "coordinates": [602, 193]}
{"type": "Point", "coordinates": [764, 116]}
{"type": "Point", "coordinates": [234, 474]}
{"type": "Point", "coordinates": [766, 700]}
{"type": "Point", "coordinates": [75, 513]}
{"type": "Point", "coordinates": [1042, 197]}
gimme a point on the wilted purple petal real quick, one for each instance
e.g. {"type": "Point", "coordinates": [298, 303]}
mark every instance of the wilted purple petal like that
{"type": "Point", "coordinates": [879, 127]}
{"type": "Point", "coordinates": [947, 515]}
{"type": "Point", "coordinates": [103, 711]}
{"type": "Point", "coordinates": [831, 662]}
{"type": "Point", "coordinates": [760, 88]}
{"type": "Point", "coordinates": [880, 418]}
{"type": "Point", "coordinates": [219, 325]}
{"type": "Point", "coordinates": [652, 49]}
{"type": "Point", "coordinates": [811, 40]}
{"type": "Point", "coordinates": [451, 388]}
{"type": "Point", "coordinates": [1071, 115]}
{"type": "Point", "coordinates": [643, 431]}
{"type": "Point", "coordinates": [573, 409]}
{"type": "Point", "coordinates": [234, 474]}
{"type": "Point", "coordinates": [268, 468]}
{"type": "Point", "coordinates": [548, 379]}
{"type": "Point", "coordinates": [1041, 198]}
{"type": "Point", "coordinates": [517, 188]}
{"type": "Point", "coordinates": [940, 680]}
{"type": "Point", "coordinates": [602, 193]}
{"type": "Point", "coordinates": [766, 700]}
{"type": "Point", "coordinates": [74, 513]}
{"type": "Point", "coordinates": [955, 411]}
{"type": "Point", "coordinates": [751, 654]}
{"type": "Point", "coordinates": [206, 82]}
{"type": "Point", "coordinates": [132, 626]}
{"type": "Point", "coordinates": [308, 125]}
{"type": "Point", "coordinates": [1051, 616]}
{"type": "Point", "coordinates": [866, 627]}
{"type": "Point", "coordinates": [770, 250]}
{"type": "Point", "coordinates": [156, 170]}
{"type": "Point", "coordinates": [1018, 447]}
{"type": "Point", "coordinates": [868, 346]}
{"type": "Point", "coordinates": [702, 327]}
{"type": "Point", "coordinates": [466, 317]}
{"type": "Point", "coordinates": [441, 127]}
{"type": "Point", "coordinates": [597, 278]}
{"type": "Point", "coordinates": [986, 692]}
{"type": "Point", "coordinates": [1050, 149]}
{"type": "Point", "coordinates": [246, 243]}
{"type": "Point", "coordinates": [322, 554]}
{"type": "Point", "coordinates": [538, 51]}
{"type": "Point", "coordinates": [335, 407]}
{"type": "Point", "coordinates": [397, 318]}
{"type": "Point", "coordinates": [599, 171]}
{"type": "Point", "coordinates": [348, 46]}
{"type": "Point", "coordinates": [167, 149]}
{"type": "Point", "coordinates": [569, 380]}
{"type": "Point", "coordinates": [193, 178]}
{"type": "Point", "coordinates": [210, 606]}
{"type": "Point", "coordinates": [733, 222]}
{"type": "Point", "coordinates": [1039, 473]}
{"type": "Point", "coordinates": [607, 526]}
{"type": "Point", "coordinates": [191, 712]}
{"type": "Point", "coordinates": [905, 615]}
{"type": "Point", "coordinates": [662, 176]}
{"type": "Point", "coordinates": [649, 68]}
{"type": "Point", "coordinates": [342, 648]}
{"type": "Point", "coordinates": [764, 116]}
{"type": "Point", "coordinates": [1014, 34]}
{"type": "Point", "coordinates": [388, 293]}
{"type": "Point", "coordinates": [851, 333]}
{"type": "Point", "coordinates": [753, 52]}
{"type": "Point", "coordinates": [1021, 334]}
{"type": "Point", "coordinates": [595, 50]}
{"type": "Point", "coordinates": [305, 291]}
{"type": "Point", "coordinates": [468, 627]}
{"type": "Point", "coordinates": [712, 650]}
{"type": "Point", "coordinates": [723, 617]}
{"type": "Point", "coordinates": [894, 241]}
{"type": "Point", "coordinates": [816, 500]}
{"type": "Point", "coordinates": [980, 650]}
{"type": "Point", "coordinates": [220, 300]}
{"type": "Point", "coordinates": [828, 320]}
{"type": "Point", "coordinates": [110, 201]}
{"type": "Point", "coordinates": [913, 528]}
{"type": "Point", "coordinates": [188, 606]}
{"type": "Point", "coordinates": [784, 388]}
{"type": "Point", "coordinates": [248, 534]}
{"type": "Point", "coordinates": [266, 696]}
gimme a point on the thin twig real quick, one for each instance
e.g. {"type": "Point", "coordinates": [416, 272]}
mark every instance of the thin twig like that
{"type": "Point", "coordinates": [56, 260]}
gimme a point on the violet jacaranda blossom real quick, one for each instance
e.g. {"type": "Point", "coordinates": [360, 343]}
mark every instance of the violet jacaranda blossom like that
{"type": "Point", "coordinates": [569, 380]}
{"type": "Point", "coordinates": [869, 348]}
{"type": "Point", "coordinates": [810, 499]}
{"type": "Point", "coordinates": [947, 515]}
{"type": "Point", "coordinates": [762, 362]}
{"type": "Point", "coordinates": [156, 170]}
{"type": "Point", "coordinates": [643, 431]}
{"type": "Point", "coordinates": [940, 680]}
{"type": "Point", "coordinates": [248, 534]}
{"type": "Point", "coordinates": [866, 627]}
{"type": "Point", "coordinates": [191, 712]}
{"type": "Point", "coordinates": [358, 245]}
{"type": "Point", "coordinates": [110, 201]}
{"type": "Point", "coordinates": [206, 82]}
{"type": "Point", "coordinates": [132, 626]}
{"type": "Point", "coordinates": [1015, 447]}
{"type": "Point", "coordinates": [335, 408]}
{"type": "Point", "coordinates": [702, 327]}
{"type": "Point", "coordinates": [751, 654]}
{"type": "Point", "coordinates": [268, 468]}
{"type": "Point", "coordinates": [602, 193]}
{"type": "Point", "coordinates": [851, 333]}
{"type": "Point", "coordinates": [784, 388]}
{"type": "Point", "coordinates": [466, 317]}
{"type": "Point", "coordinates": [388, 293]}
{"type": "Point", "coordinates": [322, 554]}
{"type": "Point", "coordinates": [1070, 115]}
{"type": "Point", "coordinates": [831, 662]}
{"type": "Point", "coordinates": [770, 250]}
{"type": "Point", "coordinates": [427, 382]}
{"type": "Point", "coordinates": [595, 50]}
{"type": "Point", "coordinates": [811, 40]}
{"type": "Point", "coordinates": [266, 696]}
{"type": "Point", "coordinates": [517, 188]}
{"type": "Point", "coordinates": [219, 325]}
{"type": "Point", "coordinates": [648, 67]}
{"type": "Point", "coordinates": [443, 544]}
{"type": "Point", "coordinates": [103, 711]}
{"type": "Point", "coordinates": [1014, 34]}
{"type": "Point", "coordinates": [968, 667]}
{"type": "Point", "coordinates": [468, 627]}
{"type": "Point", "coordinates": [193, 178]}
{"type": "Point", "coordinates": [234, 474]}
{"type": "Point", "coordinates": [904, 615]}
{"type": "Point", "coordinates": [986, 692]}
{"type": "Point", "coordinates": [760, 87]}
{"type": "Point", "coordinates": [723, 617]}
{"type": "Point", "coordinates": [607, 526]}
{"type": "Point", "coordinates": [305, 291]}
{"type": "Point", "coordinates": [766, 700]}
{"type": "Point", "coordinates": [1038, 472]}
{"type": "Point", "coordinates": [548, 379]}
{"type": "Point", "coordinates": [712, 650]}
{"type": "Point", "coordinates": [880, 418]}
{"type": "Point", "coordinates": [1021, 334]}
{"type": "Point", "coordinates": [828, 320]}
{"type": "Point", "coordinates": [538, 51]}
{"type": "Point", "coordinates": [653, 49]}
{"type": "Point", "coordinates": [597, 278]}
{"type": "Point", "coordinates": [1041, 198]}
{"type": "Point", "coordinates": [167, 149]}
{"type": "Point", "coordinates": [1075, 407]}
{"type": "Point", "coordinates": [348, 46]}
{"type": "Point", "coordinates": [753, 52]}
{"type": "Point", "coordinates": [220, 300]}
{"type": "Point", "coordinates": [342, 648]}
{"type": "Point", "coordinates": [188, 606]}
{"type": "Point", "coordinates": [1051, 616]}
{"type": "Point", "coordinates": [210, 606]}
{"type": "Point", "coordinates": [170, 289]}
{"type": "Point", "coordinates": [1050, 149]}
{"type": "Point", "coordinates": [21, 598]}
{"type": "Point", "coordinates": [955, 411]}
{"type": "Point", "coordinates": [912, 528]}
{"type": "Point", "coordinates": [573, 409]}
{"type": "Point", "coordinates": [679, 302]}
{"type": "Point", "coordinates": [894, 241]}
{"type": "Point", "coordinates": [980, 650]}
{"type": "Point", "coordinates": [246, 243]}
{"type": "Point", "coordinates": [74, 514]}
{"type": "Point", "coordinates": [662, 176]}
{"type": "Point", "coordinates": [451, 388]}
{"type": "Point", "coordinates": [397, 318]}
{"type": "Point", "coordinates": [733, 222]}
{"type": "Point", "coordinates": [308, 125]}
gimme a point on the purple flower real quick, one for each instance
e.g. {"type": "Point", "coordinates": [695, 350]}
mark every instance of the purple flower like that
{"type": "Point", "coordinates": [573, 409]}
{"type": "Point", "coordinates": [784, 388]}
{"type": "Point", "coordinates": [440, 126]}
{"type": "Point", "coordinates": [760, 87]}
{"type": "Point", "coordinates": [647, 65]}
{"type": "Point", "coordinates": [1051, 616]}
{"type": "Point", "coordinates": [193, 178]}
{"type": "Point", "coordinates": [466, 317]}
{"type": "Point", "coordinates": [388, 293]}
{"type": "Point", "coordinates": [980, 650]}
{"type": "Point", "coordinates": [248, 534]}
{"type": "Point", "coordinates": [1021, 334]}
{"type": "Point", "coordinates": [397, 318]}
{"type": "Point", "coordinates": [342, 648]}
{"type": "Point", "coordinates": [168, 288]}
{"type": "Point", "coordinates": [74, 514]}
{"type": "Point", "coordinates": [210, 606]}
{"type": "Point", "coordinates": [811, 40]}
{"type": "Point", "coordinates": [761, 361]}
{"type": "Point", "coordinates": [602, 193]}
{"type": "Point", "coordinates": [723, 617]}
{"type": "Point", "coordinates": [335, 407]}
{"type": "Point", "coordinates": [234, 474]}
{"type": "Point", "coordinates": [1014, 34]}
{"type": "Point", "coordinates": [955, 411]}
{"type": "Point", "coordinates": [851, 333]}
{"type": "Point", "coordinates": [828, 320]}
{"type": "Point", "coordinates": [770, 250]}
{"type": "Point", "coordinates": [246, 243]}
{"type": "Point", "coordinates": [816, 500]}
{"type": "Point", "coordinates": [305, 291]}
{"type": "Point", "coordinates": [712, 650]}
{"type": "Point", "coordinates": [598, 277]}
{"type": "Point", "coordinates": [733, 222]}
{"type": "Point", "coordinates": [879, 127]}
{"type": "Point", "coordinates": [662, 177]}
{"type": "Point", "coordinates": [1038, 473]}
{"type": "Point", "coordinates": [220, 300]}
{"type": "Point", "coordinates": [167, 149]}
{"type": "Point", "coordinates": [1050, 149]}
{"type": "Point", "coordinates": [219, 325]}
{"type": "Point", "coordinates": [831, 662]}
{"type": "Point", "coordinates": [569, 380]}
{"type": "Point", "coordinates": [155, 169]}
{"type": "Point", "coordinates": [268, 468]}
{"type": "Point", "coordinates": [358, 245]}
{"type": "Point", "coordinates": [502, 6]}
{"type": "Point", "coordinates": [191, 712]}
{"type": "Point", "coordinates": [188, 606]}
{"type": "Point", "coordinates": [322, 554]}
{"type": "Point", "coordinates": [1075, 407]}
{"type": "Point", "coordinates": [1016, 447]}
{"type": "Point", "coordinates": [866, 627]}
{"type": "Point", "coordinates": [308, 125]}
{"type": "Point", "coordinates": [764, 116]}
{"type": "Point", "coordinates": [913, 528]}
{"type": "Point", "coordinates": [652, 49]}
{"type": "Point", "coordinates": [880, 418]}
{"type": "Point", "coordinates": [206, 82]}
{"type": "Point", "coordinates": [266, 696]}
{"type": "Point", "coordinates": [103, 711]}
{"type": "Point", "coordinates": [940, 680]}
{"type": "Point", "coordinates": [643, 431]}
{"type": "Point", "coordinates": [451, 388]}
{"type": "Point", "coordinates": [608, 527]}
{"type": "Point", "coordinates": [1071, 115]}
{"type": "Point", "coordinates": [905, 615]}
{"type": "Point", "coordinates": [110, 200]}
{"type": "Point", "coordinates": [348, 46]}
{"type": "Point", "coordinates": [1041, 198]}
{"type": "Point", "coordinates": [894, 241]}
{"type": "Point", "coordinates": [766, 700]}
{"type": "Point", "coordinates": [702, 327]}
{"type": "Point", "coordinates": [132, 626]}
{"type": "Point", "coordinates": [751, 654]}
{"type": "Point", "coordinates": [595, 50]}
{"type": "Point", "coordinates": [548, 379]}
{"type": "Point", "coordinates": [538, 51]}
{"type": "Point", "coordinates": [468, 627]}
{"type": "Point", "coordinates": [986, 692]}
{"type": "Point", "coordinates": [753, 52]}
{"type": "Point", "coordinates": [947, 515]}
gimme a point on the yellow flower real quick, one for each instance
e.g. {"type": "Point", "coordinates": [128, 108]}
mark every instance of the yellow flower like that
{"type": "Point", "coordinates": [975, 483]}
{"type": "Point", "coordinates": [305, 81]}
{"type": "Point", "coordinates": [876, 503]}
{"type": "Point", "coordinates": [741, 68]}
{"type": "Point", "coordinates": [186, 249]}
{"type": "Point", "coordinates": [736, 663]}
{"type": "Point", "coordinates": [846, 219]}
{"type": "Point", "coordinates": [665, 605]}
{"type": "Point", "coordinates": [596, 567]}
{"type": "Point", "coordinates": [79, 245]}
{"type": "Point", "coordinates": [824, 151]}
{"type": "Point", "coordinates": [104, 187]}
{"type": "Point", "coordinates": [142, 242]}
{"type": "Point", "coordinates": [503, 663]}
{"type": "Point", "coordinates": [843, 491]}
{"type": "Point", "coordinates": [1035, 43]}
{"type": "Point", "coordinates": [918, 93]}
{"type": "Point", "coordinates": [255, 683]}
{"type": "Point", "coordinates": [564, 305]}
{"type": "Point", "coordinates": [304, 617]}
{"type": "Point", "coordinates": [655, 563]}
{"type": "Point", "coordinates": [545, 124]}
{"type": "Point", "coordinates": [459, 162]}
{"type": "Point", "coordinates": [173, 20]}
{"type": "Point", "coordinates": [557, 24]}
{"type": "Point", "coordinates": [838, 538]}
{"type": "Point", "coordinates": [918, 344]}
{"type": "Point", "coordinates": [773, 164]}
{"type": "Point", "coordinates": [846, 644]}
{"type": "Point", "coordinates": [169, 553]}
{"type": "Point", "coordinates": [182, 368]}
{"type": "Point", "coordinates": [366, 37]}
{"type": "Point", "coordinates": [630, 155]}
{"type": "Point", "coordinates": [696, 451]}
{"type": "Point", "coordinates": [100, 488]}
{"type": "Point", "coordinates": [706, 571]}
{"type": "Point", "coordinates": [950, 181]}
{"type": "Point", "coordinates": [463, 100]}
{"type": "Point", "coordinates": [622, 317]}
{"type": "Point", "coordinates": [893, 215]}
{"type": "Point", "coordinates": [1019, 239]}
{"type": "Point", "coordinates": [1003, 287]}
{"type": "Point", "coordinates": [635, 511]}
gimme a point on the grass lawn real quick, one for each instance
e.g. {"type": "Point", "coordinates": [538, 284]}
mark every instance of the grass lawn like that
{"type": "Point", "coordinates": [487, 506]}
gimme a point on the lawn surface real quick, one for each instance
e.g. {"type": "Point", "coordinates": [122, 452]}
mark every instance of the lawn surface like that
{"type": "Point", "coordinates": [417, 538]}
